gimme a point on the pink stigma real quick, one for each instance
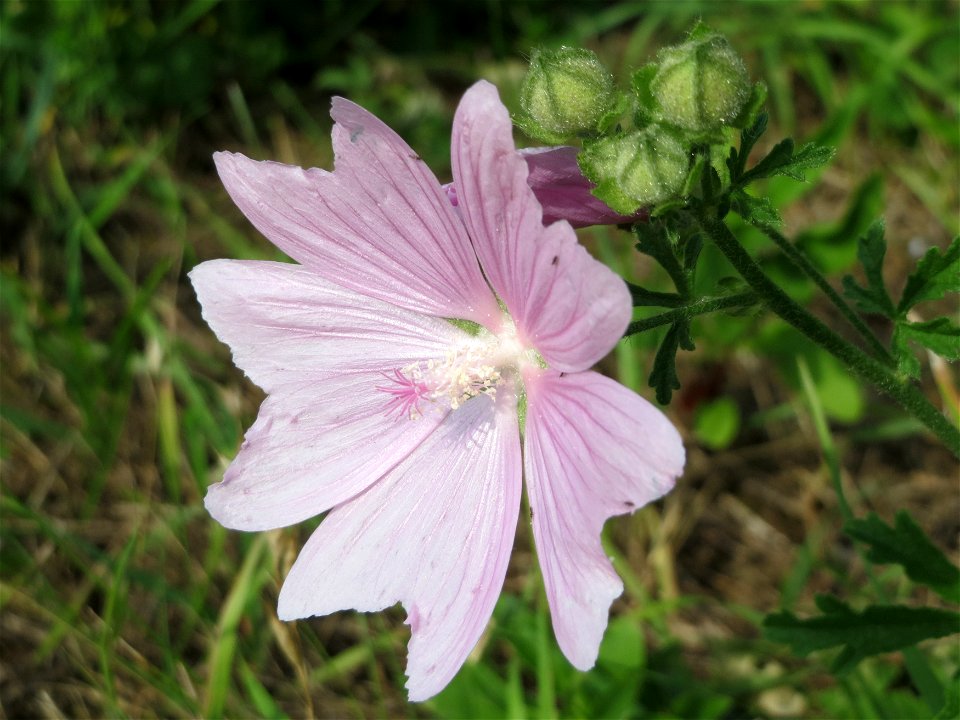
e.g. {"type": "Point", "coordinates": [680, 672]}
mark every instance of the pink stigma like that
{"type": "Point", "coordinates": [406, 394]}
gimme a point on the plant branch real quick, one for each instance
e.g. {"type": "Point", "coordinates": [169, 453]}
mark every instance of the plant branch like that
{"type": "Point", "coordinates": [700, 307]}
{"type": "Point", "coordinates": [798, 258]}
{"type": "Point", "coordinates": [861, 364]}
{"type": "Point", "coordinates": [646, 298]}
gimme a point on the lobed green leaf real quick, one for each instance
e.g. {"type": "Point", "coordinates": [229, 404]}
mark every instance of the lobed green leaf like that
{"type": "Point", "coordinates": [768, 166]}
{"type": "Point", "coordinates": [748, 138]}
{"type": "Point", "coordinates": [783, 159]}
{"type": "Point", "coordinates": [874, 299]}
{"type": "Point", "coordinates": [936, 275]}
{"type": "Point", "coordinates": [808, 157]}
{"type": "Point", "coordinates": [657, 241]}
{"type": "Point", "coordinates": [939, 335]}
{"type": "Point", "coordinates": [663, 377]}
{"type": "Point", "coordinates": [755, 210]}
{"type": "Point", "coordinates": [906, 544]}
{"type": "Point", "coordinates": [878, 629]}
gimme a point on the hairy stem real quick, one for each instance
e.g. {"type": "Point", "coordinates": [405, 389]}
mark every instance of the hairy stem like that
{"type": "Point", "coordinates": [645, 298]}
{"type": "Point", "coordinates": [700, 307]}
{"type": "Point", "coordinates": [797, 257]}
{"type": "Point", "coordinates": [861, 364]}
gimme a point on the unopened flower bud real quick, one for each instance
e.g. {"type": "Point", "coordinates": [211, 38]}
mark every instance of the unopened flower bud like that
{"type": "Point", "coordinates": [702, 84]}
{"type": "Point", "coordinates": [641, 168]}
{"type": "Point", "coordinates": [565, 92]}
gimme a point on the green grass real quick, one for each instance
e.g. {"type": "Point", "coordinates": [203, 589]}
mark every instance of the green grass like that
{"type": "Point", "coordinates": [121, 597]}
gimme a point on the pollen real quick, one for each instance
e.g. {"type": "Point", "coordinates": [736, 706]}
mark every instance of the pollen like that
{"type": "Point", "coordinates": [475, 366]}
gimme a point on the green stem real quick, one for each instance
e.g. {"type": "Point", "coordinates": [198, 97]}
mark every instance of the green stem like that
{"type": "Point", "coordinates": [700, 307]}
{"type": "Point", "coordinates": [644, 298]}
{"type": "Point", "coordinates": [861, 364]}
{"type": "Point", "coordinates": [798, 258]}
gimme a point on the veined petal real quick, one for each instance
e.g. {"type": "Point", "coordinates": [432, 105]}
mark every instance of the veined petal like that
{"type": "Point", "coordinates": [286, 324]}
{"type": "Point", "coordinates": [562, 190]}
{"type": "Point", "coordinates": [312, 448]}
{"type": "Point", "coordinates": [572, 308]}
{"type": "Point", "coordinates": [593, 449]}
{"type": "Point", "coordinates": [380, 224]}
{"type": "Point", "coordinates": [434, 534]}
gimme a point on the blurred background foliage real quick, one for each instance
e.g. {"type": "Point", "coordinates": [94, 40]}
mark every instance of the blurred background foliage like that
{"type": "Point", "coordinates": [121, 597]}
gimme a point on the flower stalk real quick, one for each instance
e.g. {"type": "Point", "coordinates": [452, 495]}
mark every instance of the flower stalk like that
{"type": "Point", "coordinates": [806, 267]}
{"type": "Point", "coordinates": [699, 307]}
{"type": "Point", "coordinates": [861, 364]}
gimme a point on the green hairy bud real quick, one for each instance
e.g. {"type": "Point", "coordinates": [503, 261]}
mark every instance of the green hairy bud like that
{"type": "Point", "coordinates": [638, 169]}
{"type": "Point", "coordinates": [702, 84]}
{"type": "Point", "coordinates": [565, 92]}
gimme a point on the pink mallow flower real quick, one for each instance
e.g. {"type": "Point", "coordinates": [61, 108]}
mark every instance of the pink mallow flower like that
{"type": "Point", "coordinates": [404, 425]}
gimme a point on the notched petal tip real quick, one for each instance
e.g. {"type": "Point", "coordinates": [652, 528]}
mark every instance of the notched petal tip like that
{"type": "Point", "coordinates": [594, 449]}
{"type": "Point", "coordinates": [434, 534]}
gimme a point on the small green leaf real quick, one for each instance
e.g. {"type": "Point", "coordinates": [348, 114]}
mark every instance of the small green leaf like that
{"type": "Point", "coordinates": [808, 157]}
{"type": "Point", "coordinates": [778, 157]}
{"type": "Point", "coordinates": [878, 629]}
{"type": "Point", "coordinates": [655, 240]}
{"type": "Point", "coordinates": [939, 335]}
{"type": "Point", "coordinates": [663, 377]}
{"type": "Point", "coordinates": [873, 298]}
{"type": "Point", "coordinates": [907, 363]}
{"type": "Point", "coordinates": [936, 275]}
{"type": "Point", "coordinates": [748, 138]}
{"type": "Point", "coordinates": [783, 160]}
{"type": "Point", "coordinates": [906, 544]}
{"type": "Point", "coordinates": [755, 210]}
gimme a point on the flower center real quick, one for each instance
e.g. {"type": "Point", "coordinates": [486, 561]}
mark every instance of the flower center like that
{"type": "Point", "coordinates": [476, 365]}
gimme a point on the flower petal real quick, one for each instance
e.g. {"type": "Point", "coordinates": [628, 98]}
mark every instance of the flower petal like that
{"type": "Point", "coordinates": [312, 449]}
{"type": "Point", "coordinates": [380, 224]}
{"type": "Point", "coordinates": [286, 324]}
{"type": "Point", "coordinates": [326, 431]}
{"type": "Point", "coordinates": [572, 308]}
{"type": "Point", "coordinates": [434, 534]}
{"type": "Point", "coordinates": [562, 190]}
{"type": "Point", "coordinates": [593, 449]}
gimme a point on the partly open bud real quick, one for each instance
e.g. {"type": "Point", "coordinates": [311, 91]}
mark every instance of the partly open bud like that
{"type": "Point", "coordinates": [565, 92]}
{"type": "Point", "coordinates": [702, 84]}
{"type": "Point", "coordinates": [638, 169]}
